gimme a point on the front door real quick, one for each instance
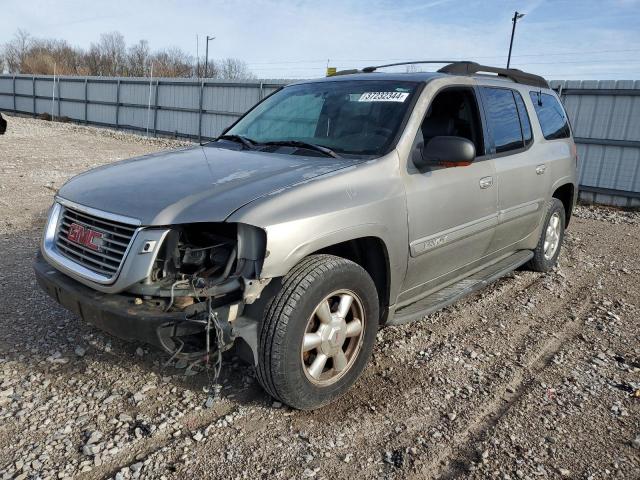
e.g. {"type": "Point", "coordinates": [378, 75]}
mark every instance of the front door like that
{"type": "Point", "coordinates": [452, 210]}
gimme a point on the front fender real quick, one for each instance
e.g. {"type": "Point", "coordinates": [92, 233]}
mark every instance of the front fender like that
{"type": "Point", "coordinates": [287, 254]}
{"type": "Point", "coordinates": [366, 200]}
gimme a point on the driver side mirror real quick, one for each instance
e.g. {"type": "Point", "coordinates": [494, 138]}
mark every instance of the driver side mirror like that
{"type": "Point", "coordinates": [445, 151]}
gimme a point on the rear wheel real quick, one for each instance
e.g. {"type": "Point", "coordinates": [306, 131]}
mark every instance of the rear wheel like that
{"type": "Point", "coordinates": [318, 333]}
{"type": "Point", "coordinates": [545, 256]}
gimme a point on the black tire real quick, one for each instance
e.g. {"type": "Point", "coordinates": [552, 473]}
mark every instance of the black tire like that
{"type": "Point", "coordinates": [540, 262]}
{"type": "Point", "coordinates": [280, 366]}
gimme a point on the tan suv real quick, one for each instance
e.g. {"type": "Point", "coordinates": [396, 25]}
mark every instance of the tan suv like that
{"type": "Point", "coordinates": [333, 207]}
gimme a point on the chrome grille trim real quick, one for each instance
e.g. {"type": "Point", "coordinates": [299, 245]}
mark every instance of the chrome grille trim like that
{"type": "Point", "coordinates": [101, 266]}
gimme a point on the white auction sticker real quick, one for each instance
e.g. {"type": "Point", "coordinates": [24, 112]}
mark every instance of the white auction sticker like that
{"type": "Point", "coordinates": [383, 97]}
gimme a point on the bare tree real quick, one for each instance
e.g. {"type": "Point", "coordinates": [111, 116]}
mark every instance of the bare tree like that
{"type": "Point", "coordinates": [91, 61]}
{"type": "Point", "coordinates": [109, 57]}
{"type": "Point", "coordinates": [137, 59]}
{"type": "Point", "coordinates": [233, 69]}
{"type": "Point", "coordinates": [48, 56]}
{"type": "Point", "coordinates": [15, 50]}
{"type": "Point", "coordinates": [172, 62]}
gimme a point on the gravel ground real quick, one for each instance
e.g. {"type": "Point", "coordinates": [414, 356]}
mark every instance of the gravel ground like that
{"type": "Point", "coordinates": [536, 376]}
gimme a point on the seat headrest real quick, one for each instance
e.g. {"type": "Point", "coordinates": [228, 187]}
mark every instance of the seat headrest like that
{"type": "Point", "coordinates": [437, 126]}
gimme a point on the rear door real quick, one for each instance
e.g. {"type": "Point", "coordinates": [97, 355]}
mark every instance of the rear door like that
{"type": "Point", "coordinates": [520, 174]}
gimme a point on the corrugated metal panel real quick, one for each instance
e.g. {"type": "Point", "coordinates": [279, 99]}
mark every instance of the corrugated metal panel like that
{"type": "Point", "coordinates": [134, 117]}
{"type": "Point", "coordinates": [604, 112]}
{"type": "Point", "coordinates": [44, 106]}
{"type": "Point", "coordinates": [181, 96]}
{"type": "Point", "coordinates": [24, 86]}
{"type": "Point", "coordinates": [44, 87]}
{"type": "Point", "coordinates": [137, 93]}
{"type": "Point", "coordinates": [213, 125]}
{"type": "Point", "coordinates": [101, 114]}
{"type": "Point", "coordinates": [102, 91]}
{"type": "Point", "coordinates": [72, 110]}
{"type": "Point", "coordinates": [6, 85]}
{"type": "Point", "coordinates": [71, 90]}
{"type": "Point", "coordinates": [6, 103]}
{"type": "Point", "coordinates": [24, 104]}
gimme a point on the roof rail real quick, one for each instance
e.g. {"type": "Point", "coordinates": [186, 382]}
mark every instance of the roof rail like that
{"type": "Point", "coordinates": [518, 76]}
{"type": "Point", "coordinates": [373, 69]}
{"type": "Point", "coordinates": [465, 67]}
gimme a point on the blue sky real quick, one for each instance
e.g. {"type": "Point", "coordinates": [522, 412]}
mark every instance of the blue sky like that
{"type": "Point", "coordinates": [559, 39]}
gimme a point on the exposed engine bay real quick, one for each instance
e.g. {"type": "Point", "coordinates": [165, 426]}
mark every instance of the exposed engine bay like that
{"type": "Point", "coordinates": [207, 272]}
{"type": "Point", "coordinates": [204, 260]}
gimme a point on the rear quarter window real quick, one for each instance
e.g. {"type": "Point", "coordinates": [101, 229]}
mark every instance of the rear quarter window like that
{"type": "Point", "coordinates": [551, 115]}
{"type": "Point", "coordinates": [503, 118]}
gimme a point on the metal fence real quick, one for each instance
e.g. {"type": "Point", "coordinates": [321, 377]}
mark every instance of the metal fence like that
{"type": "Point", "coordinates": [605, 116]}
{"type": "Point", "coordinates": [177, 107]}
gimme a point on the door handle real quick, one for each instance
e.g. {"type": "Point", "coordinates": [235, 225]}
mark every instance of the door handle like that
{"type": "Point", "coordinates": [486, 182]}
{"type": "Point", "coordinates": [540, 169]}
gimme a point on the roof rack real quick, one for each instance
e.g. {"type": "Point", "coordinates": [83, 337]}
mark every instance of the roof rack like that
{"type": "Point", "coordinates": [373, 69]}
{"type": "Point", "coordinates": [518, 76]}
{"type": "Point", "coordinates": [464, 67]}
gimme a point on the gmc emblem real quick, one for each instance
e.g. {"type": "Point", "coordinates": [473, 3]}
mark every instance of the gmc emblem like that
{"type": "Point", "coordinates": [85, 236]}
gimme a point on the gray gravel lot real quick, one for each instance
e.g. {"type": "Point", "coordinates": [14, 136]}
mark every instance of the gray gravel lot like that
{"type": "Point", "coordinates": [534, 377]}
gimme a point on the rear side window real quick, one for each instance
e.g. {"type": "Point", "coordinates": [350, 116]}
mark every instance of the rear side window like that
{"type": "Point", "coordinates": [503, 118]}
{"type": "Point", "coordinates": [551, 116]}
{"type": "Point", "coordinates": [525, 123]}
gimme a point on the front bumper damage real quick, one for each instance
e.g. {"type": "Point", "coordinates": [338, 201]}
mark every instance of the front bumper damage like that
{"type": "Point", "coordinates": [124, 317]}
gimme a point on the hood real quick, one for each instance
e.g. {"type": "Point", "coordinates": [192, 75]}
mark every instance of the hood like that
{"type": "Point", "coordinates": [196, 184]}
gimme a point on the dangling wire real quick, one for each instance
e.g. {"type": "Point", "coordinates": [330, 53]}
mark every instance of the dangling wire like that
{"type": "Point", "coordinates": [217, 360]}
{"type": "Point", "coordinates": [211, 357]}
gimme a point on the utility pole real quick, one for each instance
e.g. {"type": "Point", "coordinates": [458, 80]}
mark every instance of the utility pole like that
{"type": "Point", "coordinates": [206, 55]}
{"type": "Point", "coordinates": [516, 17]}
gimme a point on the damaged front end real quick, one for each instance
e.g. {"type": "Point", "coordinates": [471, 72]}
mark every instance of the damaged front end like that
{"type": "Point", "coordinates": [204, 275]}
{"type": "Point", "coordinates": [188, 288]}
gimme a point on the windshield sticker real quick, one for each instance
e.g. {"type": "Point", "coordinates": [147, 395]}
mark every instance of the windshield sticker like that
{"type": "Point", "coordinates": [383, 97]}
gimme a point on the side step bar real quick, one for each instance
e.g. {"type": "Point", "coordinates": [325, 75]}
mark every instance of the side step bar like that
{"type": "Point", "coordinates": [460, 289]}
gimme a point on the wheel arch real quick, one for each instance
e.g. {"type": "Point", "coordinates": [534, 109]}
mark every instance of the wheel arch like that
{"type": "Point", "coordinates": [372, 255]}
{"type": "Point", "coordinates": [566, 194]}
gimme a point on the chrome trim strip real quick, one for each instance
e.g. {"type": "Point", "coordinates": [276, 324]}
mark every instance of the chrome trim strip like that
{"type": "Point", "coordinates": [447, 237]}
{"type": "Point", "coordinates": [519, 211]}
{"type": "Point", "coordinates": [98, 213]}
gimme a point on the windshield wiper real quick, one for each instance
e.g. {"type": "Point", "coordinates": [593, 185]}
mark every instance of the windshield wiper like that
{"type": "Point", "coordinates": [246, 142]}
{"type": "Point", "coordinates": [307, 145]}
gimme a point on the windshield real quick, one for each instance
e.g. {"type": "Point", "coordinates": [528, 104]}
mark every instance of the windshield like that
{"type": "Point", "coordinates": [348, 117]}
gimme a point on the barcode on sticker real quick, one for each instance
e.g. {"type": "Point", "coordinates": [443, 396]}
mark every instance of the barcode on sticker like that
{"type": "Point", "coordinates": [383, 97]}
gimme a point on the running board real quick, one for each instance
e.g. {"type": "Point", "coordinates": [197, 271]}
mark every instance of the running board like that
{"type": "Point", "coordinates": [460, 289]}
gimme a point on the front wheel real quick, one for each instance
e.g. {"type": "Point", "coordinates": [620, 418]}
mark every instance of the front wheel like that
{"type": "Point", "coordinates": [318, 332]}
{"type": "Point", "coordinates": [545, 255]}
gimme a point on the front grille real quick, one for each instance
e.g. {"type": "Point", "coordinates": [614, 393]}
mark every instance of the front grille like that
{"type": "Point", "coordinates": [113, 244]}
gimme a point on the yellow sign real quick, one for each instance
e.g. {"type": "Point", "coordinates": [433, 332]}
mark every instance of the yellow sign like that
{"type": "Point", "coordinates": [331, 71]}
